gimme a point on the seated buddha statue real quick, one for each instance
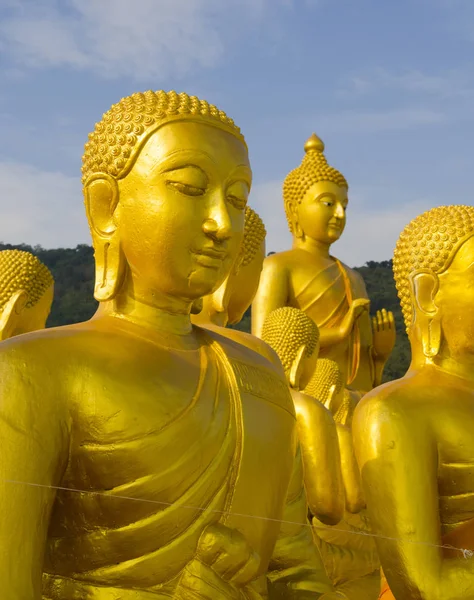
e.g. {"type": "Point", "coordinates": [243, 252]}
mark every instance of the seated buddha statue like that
{"type": "Point", "coordinates": [144, 458]}
{"type": "Point", "coordinates": [308, 277]}
{"type": "Point", "coordinates": [413, 436]}
{"type": "Point", "coordinates": [332, 479]}
{"type": "Point", "coordinates": [295, 339]}
{"type": "Point", "coordinates": [348, 550]}
{"type": "Point", "coordinates": [326, 386]}
{"type": "Point", "coordinates": [26, 293]}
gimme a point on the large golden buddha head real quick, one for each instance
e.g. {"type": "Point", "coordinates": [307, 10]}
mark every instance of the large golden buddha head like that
{"type": "Point", "coordinates": [315, 197]}
{"type": "Point", "coordinates": [433, 266]}
{"type": "Point", "coordinates": [229, 302]}
{"type": "Point", "coordinates": [26, 293]}
{"type": "Point", "coordinates": [166, 178]}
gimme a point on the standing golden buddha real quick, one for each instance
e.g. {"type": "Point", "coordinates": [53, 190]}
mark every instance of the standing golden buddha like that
{"type": "Point", "coordinates": [144, 458]}
{"type": "Point", "coordinates": [413, 437]}
{"type": "Point", "coordinates": [309, 278]}
{"type": "Point", "coordinates": [26, 293]}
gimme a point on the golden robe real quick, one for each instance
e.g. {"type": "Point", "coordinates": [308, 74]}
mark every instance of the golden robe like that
{"type": "Point", "coordinates": [326, 299]}
{"type": "Point", "coordinates": [141, 472]}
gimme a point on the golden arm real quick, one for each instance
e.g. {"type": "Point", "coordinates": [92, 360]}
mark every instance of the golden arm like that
{"type": "Point", "coordinates": [398, 460]}
{"type": "Point", "coordinates": [33, 452]}
{"type": "Point", "coordinates": [321, 459]}
{"type": "Point", "coordinates": [296, 571]}
{"type": "Point", "coordinates": [350, 471]}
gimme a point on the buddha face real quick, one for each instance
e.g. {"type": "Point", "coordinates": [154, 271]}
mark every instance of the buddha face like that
{"type": "Point", "coordinates": [322, 212]}
{"type": "Point", "coordinates": [180, 216]}
{"type": "Point", "coordinates": [455, 301]}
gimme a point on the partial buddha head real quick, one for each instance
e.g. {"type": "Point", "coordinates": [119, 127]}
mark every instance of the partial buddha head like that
{"type": "Point", "coordinates": [166, 178]}
{"type": "Point", "coordinates": [26, 293]}
{"type": "Point", "coordinates": [315, 197]}
{"type": "Point", "coordinates": [327, 384]}
{"type": "Point", "coordinates": [295, 339]}
{"type": "Point", "coordinates": [229, 302]}
{"type": "Point", "coordinates": [433, 266]}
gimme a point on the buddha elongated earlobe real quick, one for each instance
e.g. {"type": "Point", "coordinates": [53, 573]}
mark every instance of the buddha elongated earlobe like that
{"type": "Point", "coordinates": [109, 269]}
{"type": "Point", "coordinates": [10, 313]}
{"type": "Point", "coordinates": [101, 198]}
{"type": "Point", "coordinates": [431, 338]}
{"type": "Point", "coordinates": [298, 231]}
{"type": "Point", "coordinates": [296, 369]}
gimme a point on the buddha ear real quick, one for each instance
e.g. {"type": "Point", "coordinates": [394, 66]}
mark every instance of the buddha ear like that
{"type": "Point", "coordinates": [11, 313]}
{"type": "Point", "coordinates": [331, 397]}
{"type": "Point", "coordinates": [296, 227]}
{"type": "Point", "coordinates": [101, 197]}
{"type": "Point", "coordinates": [424, 286]}
{"type": "Point", "coordinates": [296, 369]}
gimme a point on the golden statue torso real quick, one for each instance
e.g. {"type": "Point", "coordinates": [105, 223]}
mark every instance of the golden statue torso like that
{"type": "Point", "coordinates": [323, 289]}
{"type": "Point", "coordinates": [444, 416]}
{"type": "Point", "coordinates": [157, 462]}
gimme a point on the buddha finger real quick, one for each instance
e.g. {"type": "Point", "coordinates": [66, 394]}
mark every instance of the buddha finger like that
{"type": "Point", "coordinates": [374, 324]}
{"type": "Point", "coordinates": [249, 571]}
{"type": "Point", "coordinates": [379, 320]}
{"type": "Point", "coordinates": [224, 549]}
{"type": "Point", "coordinates": [391, 319]}
{"type": "Point", "coordinates": [233, 559]}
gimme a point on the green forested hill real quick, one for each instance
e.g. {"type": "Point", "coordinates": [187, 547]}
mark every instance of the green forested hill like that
{"type": "Point", "coordinates": [73, 271]}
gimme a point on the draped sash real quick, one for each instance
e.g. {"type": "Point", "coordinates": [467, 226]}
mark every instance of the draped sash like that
{"type": "Point", "coordinates": [326, 298]}
{"type": "Point", "coordinates": [134, 540]}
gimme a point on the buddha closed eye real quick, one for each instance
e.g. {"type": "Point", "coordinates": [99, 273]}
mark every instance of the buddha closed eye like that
{"type": "Point", "coordinates": [189, 180]}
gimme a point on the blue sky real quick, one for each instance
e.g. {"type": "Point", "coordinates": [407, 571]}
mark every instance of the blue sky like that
{"type": "Point", "coordinates": [388, 85]}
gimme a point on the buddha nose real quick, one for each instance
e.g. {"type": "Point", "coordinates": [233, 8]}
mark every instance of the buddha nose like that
{"type": "Point", "coordinates": [339, 212]}
{"type": "Point", "coordinates": [218, 225]}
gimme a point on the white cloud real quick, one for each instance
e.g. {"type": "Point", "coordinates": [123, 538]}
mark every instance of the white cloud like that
{"type": "Point", "coordinates": [375, 121]}
{"type": "Point", "coordinates": [142, 39]}
{"type": "Point", "coordinates": [372, 227]}
{"type": "Point", "coordinates": [39, 207]}
{"type": "Point", "coordinates": [450, 84]}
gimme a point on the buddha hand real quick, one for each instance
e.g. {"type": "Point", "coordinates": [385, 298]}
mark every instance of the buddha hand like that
{"type": "Point", "coordinates": [384, 334]}
{"type": "Point", "coordinates": [224, 563]}
{"type": "Point", "coordinates": [357, 307]}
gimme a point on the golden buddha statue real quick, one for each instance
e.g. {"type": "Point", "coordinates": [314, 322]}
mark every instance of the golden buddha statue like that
{"type": "Point", "coordinates": [295, 339]}
{"type": "Point", "coordinates": [26, 293]}
{"type": "Point", "coordinates": [349, 554]}
{"type": "Point", "coordinates": [143, 457]}
{"type": "Point", "coordinates": [309, 278]}
{"type": "Point", "coordinates": [331, 474]}
{"type": "Point", "coordinates": [228, 304]}
{"type": "Point", "coordinates": [413, 436]}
